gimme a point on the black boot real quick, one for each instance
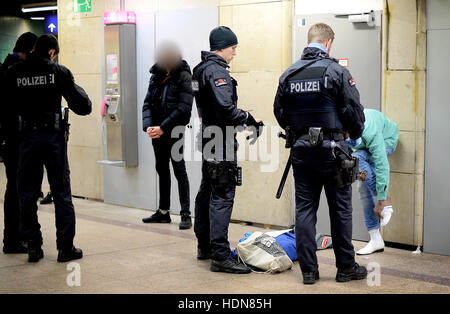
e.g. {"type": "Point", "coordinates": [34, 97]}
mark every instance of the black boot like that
{"type": "Point", "coordinates": [229, 266]}
{"type": "Point", "coordinates": [158, 217]}
{"type": "Point", "coordinates": [186, 222]}
{"type": "Point", "coordinates": [15, 248]}
{"type": "Point", "coordinates": [35, 252]}
{"type": "Point", "coordinates": [69, 254]}
{"type": "Point", "coordinates": [355, 272]}
{"type": "Point", "coordinates": [47, 200]}
{"type": "Point", "coordinates": [203, 254]}
{"type": "Point", "coordinates": [309, 278]}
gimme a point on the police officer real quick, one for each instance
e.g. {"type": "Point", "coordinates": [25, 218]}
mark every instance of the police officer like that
{"type": "Point", "coordinates": [12, 239]}
{"type": "Point", "coordinates": [168, 105]}
{"type": "Point", "coordinates": [37, 86]}
{"type": "Point", "coordinates": [216, 99]}
{"type": "Point", "coordinates": [316, 100]}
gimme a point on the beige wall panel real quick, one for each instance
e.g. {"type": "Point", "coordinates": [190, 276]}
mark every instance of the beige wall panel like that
{"type": "Point", "coordinates": [255, 200]}
{"type": "Point", "coordinates": [420, 99]}
{"type": "Point", "coordinates": [401, 99]}
{"type": "Point", "coordinates": [260, 42]}
{"type": "Point", "coordinates": [401, 226]}
{"type": "Point", "coordinates": [114, 5]}
{"type": "Point", "coordinates": [2, 181]}
{"type": "Point", "coordinates": [86, 175]}
{"type": "Point", "coordinates": [185, 4]}
{"type": "Point", "coordinates": [403, 159]}
{"type": "Point", "coordinates": [256, 91]}
{"type": "Point", "coordinates": [418, 214]}
{"type": "Point", "coordinates": [81, 46]}
{"type": "Point", "coordinates": [226, 16]}
{"type": "Point", "coordinates": [421, 59]}
{"type": "Point", "coordinates": [420, 153]}
{"type": "Point", "coordinates": [402, 34]}
{"type": "Point", "coordinates": [422, 15]}
{"type": "Point", "coordinates": [238, 2]}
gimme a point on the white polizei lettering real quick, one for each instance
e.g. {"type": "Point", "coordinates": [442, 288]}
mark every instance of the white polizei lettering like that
{"type": "Point", "coordinates": [35, 80]}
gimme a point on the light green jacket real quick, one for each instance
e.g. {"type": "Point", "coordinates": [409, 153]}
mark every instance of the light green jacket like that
{"type": "Point", "coordinates": [379, 134]}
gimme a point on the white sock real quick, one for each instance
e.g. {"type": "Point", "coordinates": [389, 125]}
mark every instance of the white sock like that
{"type": "Point", "coordinates": [375, 235]}
{"type": "Point", "coordinates": [164, 212]}
{"type": "Point", "coordinates": [386, 213]}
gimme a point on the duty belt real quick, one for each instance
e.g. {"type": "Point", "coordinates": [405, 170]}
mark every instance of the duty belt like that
{"type": "Point", "coordinates": [48, 122]}
{"type": "Point", "coordinates": [330, 136]}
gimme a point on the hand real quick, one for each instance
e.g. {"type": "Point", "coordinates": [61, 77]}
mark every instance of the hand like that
{"type": "Point", "coordinates": [155, 132]}
{"type": "Point", "coordinates": [380, 206]}
{"type": "Point", "coordinates": [257, 121]}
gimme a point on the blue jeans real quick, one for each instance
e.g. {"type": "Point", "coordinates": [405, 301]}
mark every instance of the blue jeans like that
{"type": "Point", "coordinates": [368, 188]}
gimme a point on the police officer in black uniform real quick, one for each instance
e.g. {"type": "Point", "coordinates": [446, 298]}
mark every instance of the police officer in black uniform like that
{"type": "Point", "coordinates": [316, 101]}
{"type": "Point", "coordinates": [12, 238]}
{"type": "Point", "coordinates": [37, 86]}
{"type": "Point", "coordinates": [216, 99]}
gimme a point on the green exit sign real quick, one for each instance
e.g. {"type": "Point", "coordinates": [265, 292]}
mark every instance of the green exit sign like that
{"type": "Point", "coordinates": [82, 6]}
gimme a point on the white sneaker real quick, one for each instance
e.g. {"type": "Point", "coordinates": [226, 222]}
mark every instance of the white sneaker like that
{"type": "Point", "coordinates": [375, 245]}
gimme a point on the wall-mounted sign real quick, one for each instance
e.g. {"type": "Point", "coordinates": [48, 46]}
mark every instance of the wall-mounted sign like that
{"type": "Point", "coordinates": [51, 24]}
{"type": "Point", "coordinates": [82, 6]}
{"type": "Point", "coordinates": [112, 69]}
{"type": "Point", "coordinates": [119, 17]}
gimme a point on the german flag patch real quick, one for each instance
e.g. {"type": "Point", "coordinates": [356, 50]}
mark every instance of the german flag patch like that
{"type": "Point", "coordinates": [352, 82]}
{"type": "Point", "coordinates": [220, 82]}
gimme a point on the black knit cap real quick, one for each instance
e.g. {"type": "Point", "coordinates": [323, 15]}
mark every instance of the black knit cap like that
{"type": "Point", "coordinates": [25, 42]}
{"type": "Point", "coordinates": [222, 37]}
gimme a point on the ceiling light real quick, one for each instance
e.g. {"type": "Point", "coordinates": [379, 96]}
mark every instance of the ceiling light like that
{"type": "Point", "coordinates": [39, 9]}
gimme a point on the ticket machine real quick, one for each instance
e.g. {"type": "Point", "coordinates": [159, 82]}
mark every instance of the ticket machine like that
{"type": "Point", "coordinates": [119, 104]}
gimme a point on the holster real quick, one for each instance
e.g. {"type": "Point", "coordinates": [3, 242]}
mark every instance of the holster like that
{"type": "Point", "coordinates": [347, 171]}
{"type": "Point", "coordinates": [315, 136]}
{"type": "Point", "coordinates": [224, 173]}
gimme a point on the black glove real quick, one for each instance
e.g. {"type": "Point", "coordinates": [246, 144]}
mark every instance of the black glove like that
{"type": "Point", "coordinates": [258, 128]}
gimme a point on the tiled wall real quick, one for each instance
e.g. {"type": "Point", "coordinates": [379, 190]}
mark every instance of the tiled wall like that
{"type": "Point", "coordinates": [81, 50]}
{"type": "Point", "coordinates": [404, 103]}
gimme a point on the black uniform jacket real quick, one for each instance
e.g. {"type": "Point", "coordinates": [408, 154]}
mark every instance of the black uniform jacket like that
{"type": "Point", "coordinates": [35, 87]}
{"type": "Point", "coordinates": [168, 102]}
{"type": "Point", "coordinates": [216, 94]}
{"type": "Point", "coordinates": [349, 108]}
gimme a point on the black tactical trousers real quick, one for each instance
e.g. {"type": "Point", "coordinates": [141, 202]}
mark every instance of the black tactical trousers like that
{"type": "Point", "coordinates": [162, 148]}
{"type": "Point", "coordinates": [314, 169]}
{"type": "Point", "coordinates": [49, 149]}
{"type": "Point", "coordinates": [11, 232]}
{"type": "Point", "coordinates": [213, 208]}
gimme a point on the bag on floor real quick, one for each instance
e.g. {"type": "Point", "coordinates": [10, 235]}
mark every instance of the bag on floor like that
{"type": "Point", "coordinates": [263, 252]}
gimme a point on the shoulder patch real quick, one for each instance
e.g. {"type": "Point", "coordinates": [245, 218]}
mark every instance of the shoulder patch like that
{"type": "Point", "coordinates": [195, 86]}
{"type": "Point", "coordinates": [220, 82]}
{"type": "Point", "coordinates": [352, 82]}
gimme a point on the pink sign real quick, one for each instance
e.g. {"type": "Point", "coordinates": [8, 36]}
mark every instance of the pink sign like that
{"type": "Point", "coordinates": [119, 17]}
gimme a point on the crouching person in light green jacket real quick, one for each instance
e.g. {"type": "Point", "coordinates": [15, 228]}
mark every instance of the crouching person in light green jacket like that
{"type": "Point", "coordinates": [378, 141]}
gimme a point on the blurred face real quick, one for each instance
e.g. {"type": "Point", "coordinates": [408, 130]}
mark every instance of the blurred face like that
{"type": "Point", "coordinates": [228, 53]}
{"type": "Point", "coordinates": [168, 56]}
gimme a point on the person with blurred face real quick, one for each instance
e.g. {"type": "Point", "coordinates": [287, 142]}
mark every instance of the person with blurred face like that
{"type": "Point", "coordinates": [216, 99]}
{"type": "Point", "coordinates": [167, 105]}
